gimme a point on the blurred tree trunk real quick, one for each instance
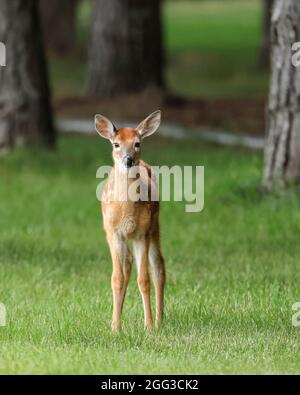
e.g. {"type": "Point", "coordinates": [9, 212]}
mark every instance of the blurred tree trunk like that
{"type": "Point", "coordinates": [58, 20]}
{"type": "Point", "coordinates": [125, 51]}
{"type": "Point", "coordinates": [282, 151]}
{"type": "Point", "coordinates": [265, 52]}
{"type": "Point", "coordinates": [25, 110]}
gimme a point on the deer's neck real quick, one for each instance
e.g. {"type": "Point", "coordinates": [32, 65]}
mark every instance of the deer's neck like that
{"type": "Point", "coordinates": [123, 179]}
{"type": "Point", "coordinates": [121, 174]}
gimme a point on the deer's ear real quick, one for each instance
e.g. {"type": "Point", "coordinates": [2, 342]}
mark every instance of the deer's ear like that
{"type": "Point", "coordinates": [104, 127]}
{"type": "Point", "coordinates": [149, 125]}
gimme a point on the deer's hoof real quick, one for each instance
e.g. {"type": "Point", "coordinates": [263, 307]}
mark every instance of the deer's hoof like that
{"type": "Point", "coordinates": [148, 326]}
{"type": "Point", "coordinates": [116, 327]}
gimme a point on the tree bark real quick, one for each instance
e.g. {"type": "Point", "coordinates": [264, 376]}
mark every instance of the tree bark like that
{"type": "Point", "coordinates": [58, 20]}
{"type": "Point", "coordinates": [265, 52]}
{"type": "Point", "coordinates": [126, 50]}
{"type": "Point", "coordinates": [25, 110]}
{"type": "Point", "coordinates": [282, 151]}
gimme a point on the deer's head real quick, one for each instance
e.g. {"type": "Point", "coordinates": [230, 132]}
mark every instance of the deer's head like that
{"type": "Point", "coordinates": [127, 142]}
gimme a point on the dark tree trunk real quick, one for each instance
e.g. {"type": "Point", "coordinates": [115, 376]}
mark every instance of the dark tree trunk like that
{"type": "Point", "coordinates": [282, 152]}
{"type": "Point", "coordinates": [25, 110]}
{"type": "Point", "coordinates": [125, 51]}
{"type": "Point", "coordinates": [58, 20]}
{"type": "Point", "coordinates": [265, 52]}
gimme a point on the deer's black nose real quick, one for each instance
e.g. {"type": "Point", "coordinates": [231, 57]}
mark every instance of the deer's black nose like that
{"type": "Point", "coordinates": [128, 161]}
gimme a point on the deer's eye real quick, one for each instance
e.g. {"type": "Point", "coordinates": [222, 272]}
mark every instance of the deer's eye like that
{"type": "Point", "coordinates": [116, 145]}
{"type": "Point", "coordinates": [137, 145]}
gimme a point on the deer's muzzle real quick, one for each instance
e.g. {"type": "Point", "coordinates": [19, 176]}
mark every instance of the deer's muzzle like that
{"type": "Point", "coordinates": [128, 161]}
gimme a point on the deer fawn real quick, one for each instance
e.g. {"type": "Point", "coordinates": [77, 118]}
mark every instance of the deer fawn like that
{"type": "Point", "coordinates": [132, 220]}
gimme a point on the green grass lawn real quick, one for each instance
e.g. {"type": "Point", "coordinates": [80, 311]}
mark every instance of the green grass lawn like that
{"type": "Point", "coordinates": [233, 269]}
{"type": "Point", "coordinates": [212, 49]}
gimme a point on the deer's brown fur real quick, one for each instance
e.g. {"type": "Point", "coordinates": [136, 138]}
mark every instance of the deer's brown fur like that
{"type": "Point", "coordinates": [132, 220]}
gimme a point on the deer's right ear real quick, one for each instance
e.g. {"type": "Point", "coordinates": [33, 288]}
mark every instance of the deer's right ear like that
{"type": "Point", "coordinates": [104, 127]}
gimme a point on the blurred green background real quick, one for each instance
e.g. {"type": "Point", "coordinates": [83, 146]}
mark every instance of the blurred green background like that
{"type": "Point", "coordinates": [212, 50]}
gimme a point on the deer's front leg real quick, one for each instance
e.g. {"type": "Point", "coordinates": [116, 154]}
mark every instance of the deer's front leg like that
{"type": "Point", "coordinates": [141, 249]}
{"type": "Point", "coordinates": [159, 276]}
{"type": "Point", "coordinates": [120, 277]}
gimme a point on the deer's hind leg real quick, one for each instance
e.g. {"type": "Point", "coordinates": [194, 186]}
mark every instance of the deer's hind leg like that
{"type": "Point", "coordinates": [158, 272]}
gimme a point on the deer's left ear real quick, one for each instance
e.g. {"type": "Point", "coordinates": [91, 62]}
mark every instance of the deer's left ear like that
{"type": "Point", "coordinates": [149, 125]}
